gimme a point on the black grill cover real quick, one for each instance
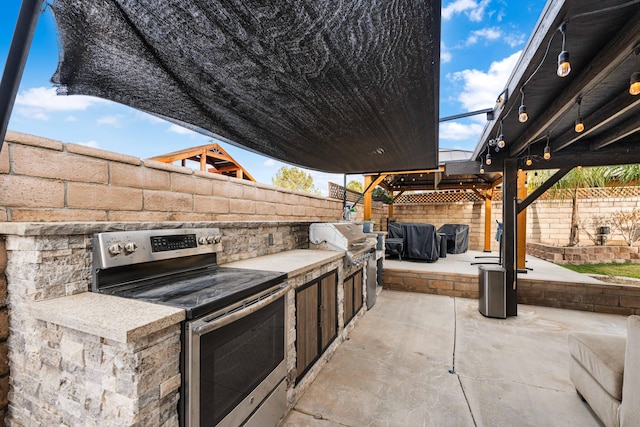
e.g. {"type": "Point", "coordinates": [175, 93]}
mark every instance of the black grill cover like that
{"type": "Point", "coordinates": [457, 237]}
{"type": "Point", "coordinates": [346, 86]}
{"type": "Point", "coordinates": [420, 240]}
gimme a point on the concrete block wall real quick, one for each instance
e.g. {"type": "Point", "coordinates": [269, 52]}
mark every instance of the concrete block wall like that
{"type": "Point", "coordinates": [585, 254]}
{"type": "Point", "coordinates": [548, 221]}
{"type": "Point", "coordinates": [600, 298]}
{"type": "Point", "coordinates": [43, 180]}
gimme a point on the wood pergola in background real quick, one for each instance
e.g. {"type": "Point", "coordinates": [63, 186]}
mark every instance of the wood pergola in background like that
{"type": "Point", "coordinates": [396, 183]}
{"type": "Point", "coordinates": [208, 155]}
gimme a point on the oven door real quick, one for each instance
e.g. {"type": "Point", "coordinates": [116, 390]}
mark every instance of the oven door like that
{"type": "Point", "coordinates": [235, 364]}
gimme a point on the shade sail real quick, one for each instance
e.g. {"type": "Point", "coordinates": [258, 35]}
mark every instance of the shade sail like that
{"type": "Point", "coordinates": [346, 86]}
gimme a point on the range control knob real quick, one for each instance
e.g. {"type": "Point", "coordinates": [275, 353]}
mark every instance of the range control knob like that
{"type": "Point", "coordinates": [130, 248]}
{"type": "Point", "coordinates": [115, 249]}
{"type": "Point", "coordinates": [209, 239]}
{"type": "Point", "coordinates": [202, 240]}
{"type": "Point", "coordinates": [218, 239]}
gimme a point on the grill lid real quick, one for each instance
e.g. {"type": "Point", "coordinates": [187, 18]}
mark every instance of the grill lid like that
{"type": "Point", "coordinates": [343, 236]}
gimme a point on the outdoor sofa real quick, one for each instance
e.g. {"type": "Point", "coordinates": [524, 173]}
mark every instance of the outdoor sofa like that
{"type": "Point", "coordinates": [605, 369]}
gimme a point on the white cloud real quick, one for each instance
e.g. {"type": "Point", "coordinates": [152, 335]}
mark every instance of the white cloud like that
{"type": "Point", "coordinates": [445, 54]}
{"type": "Point", "coordinates": [269, 163]}
{"type": "Point", "coordinates": [115, 121]}
{"type": "Point", "coordinates": [471, 8]}
{"type": "Point", "coordinates": [453, 131]}
{"type": "Point", "coordinates": [92, 144]}
{"type": "Point", "coordinates": [515, 39]}
{"type": "Point", "coordinates": [45, 99]}
{"type": "Point", "coordinates": [489, 34]}
{"type": "Point", "coordinates": [71, 119]}
{"type": "Point", "coordinates": [32, 113]}
{"type": "Point", "coordinates": [180, 130]}
{"type": "Point", "coordinates": [480, 89]}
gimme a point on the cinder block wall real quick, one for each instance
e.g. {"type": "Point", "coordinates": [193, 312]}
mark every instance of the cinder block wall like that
{"type": "Point", "coordinates": [548, 221]}
{"type": "Point", "coordinates": [47, 181]}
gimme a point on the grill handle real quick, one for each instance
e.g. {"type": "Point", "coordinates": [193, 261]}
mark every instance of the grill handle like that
{"type": "Point", "coordinates": [243, 309]}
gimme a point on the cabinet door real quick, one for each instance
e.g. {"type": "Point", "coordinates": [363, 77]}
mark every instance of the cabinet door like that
{"type": "Point", "coordinates": [348, 299]}
{"type": "Point", "coordinates": [328, 309]}
{"type": "Point", "coordinates": [306, 327]}
{"type": "Point", "coordinates": [357, 292]}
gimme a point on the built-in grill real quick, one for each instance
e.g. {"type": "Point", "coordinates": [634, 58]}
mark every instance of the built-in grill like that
{"type": "Point", "coordinates": [233, 341]}
{"type": "Point", "coordinates": [343, 236]}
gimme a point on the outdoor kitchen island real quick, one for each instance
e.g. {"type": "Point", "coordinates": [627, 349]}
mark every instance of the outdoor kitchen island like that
{"type": "Point", "coordinates": [82, 358]}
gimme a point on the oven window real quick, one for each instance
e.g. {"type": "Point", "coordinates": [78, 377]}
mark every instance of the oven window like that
{"type": "Point", "coordinates": [236, 358]}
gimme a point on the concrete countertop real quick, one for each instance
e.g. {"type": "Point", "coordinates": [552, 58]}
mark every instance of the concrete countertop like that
{"type": "Point", "coordinates": [294, 263]}
{"type": "Point", "coordinates": [119, 319]}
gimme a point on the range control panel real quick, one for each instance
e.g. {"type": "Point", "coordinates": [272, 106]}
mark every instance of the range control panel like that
{"type": "Point", "coordinates": [118, 248]}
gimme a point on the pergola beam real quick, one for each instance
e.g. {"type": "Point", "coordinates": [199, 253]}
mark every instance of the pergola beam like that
{"type": "Point", "coordinates": [522, 205]}
{"type": "Point", "coordinates": [616, 107]}
{"type": "Point", "coordinates": [626, 129]}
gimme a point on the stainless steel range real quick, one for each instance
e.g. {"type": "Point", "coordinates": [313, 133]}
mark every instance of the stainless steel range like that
{"type": "Point", "coordinates": [233, 341]}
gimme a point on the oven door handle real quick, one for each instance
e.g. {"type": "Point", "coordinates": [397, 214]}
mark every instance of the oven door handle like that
{"type": "Point", "coordinates": [241, 312]}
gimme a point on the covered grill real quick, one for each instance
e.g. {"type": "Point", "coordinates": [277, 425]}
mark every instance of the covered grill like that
{"type": "Point", "coordinates": [343, 236]}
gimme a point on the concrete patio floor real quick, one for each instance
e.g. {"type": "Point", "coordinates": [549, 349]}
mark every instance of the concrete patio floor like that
{"type": "Point", "coordinates": [468, 262]}
{"type": "Point", "coordinates": [431, 360]}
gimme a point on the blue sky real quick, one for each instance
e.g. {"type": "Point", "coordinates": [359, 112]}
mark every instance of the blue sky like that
{"type": "Point", "coordinates": [481, 42]}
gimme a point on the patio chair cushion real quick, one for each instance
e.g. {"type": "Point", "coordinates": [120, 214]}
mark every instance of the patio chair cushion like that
{"type": "Point", "coordinates": [602, 356]}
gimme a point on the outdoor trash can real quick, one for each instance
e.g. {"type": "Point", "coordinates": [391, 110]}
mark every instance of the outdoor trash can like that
{"type": "Point", "coordinates": [492, 295]}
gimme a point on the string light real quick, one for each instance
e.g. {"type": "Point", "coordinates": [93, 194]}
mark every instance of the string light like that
{"type": "Point", "coordinates": [564, 67]}
{"type": "Point", "coordinates": [579, 127]}
{"type": "Point", "coordinates": [547, 151]}
{"type": "Point", "coordinates": [501, 142]}
{"type": "Point", "coordinates": [488, 158]}
{"type": "Point", "coordinates": [634, 81]}
{"type": "Point", "coordinates": [481, 165]}
{"type": "Point", "coordinates": [522, 111]}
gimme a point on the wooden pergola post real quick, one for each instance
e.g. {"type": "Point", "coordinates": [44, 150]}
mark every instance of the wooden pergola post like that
{"type": "Point", "coordinates": [487, 219]}
{"type": "Point", "coordinates": [521, 238]}
{"type": "Point", "coordinates": [367, 197]}
{"type": "Point", "coordinates": [369, 185]}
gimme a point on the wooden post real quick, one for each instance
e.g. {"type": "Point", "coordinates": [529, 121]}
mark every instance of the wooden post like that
{"type": "Point", "coordinates": [203, 160]}
{"type": "Point", "coordinates": [487, 219]}
{"type": "Point", "coordinates": [368, 179]}
{"type": "Point", "coordinates": [522, 222]}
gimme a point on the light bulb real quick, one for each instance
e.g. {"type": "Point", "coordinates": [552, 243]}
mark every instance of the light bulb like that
{"type": "Point", "coordinates": [522, 114]}
{"type": "Point", "coordinates": [634, 83]}
{"type": "Point", "coordinates": [547, 153]}
{"type": "Point", "coordinates": [501, 141]}
{"type": "Point", "coordinates": [579, 127]}
{"type": "Point", "coordinates": [488, 161]}
{"type": "Point", "coordinates": [564, 67]}
{"type": "Point", "coordinates": [481, 169]}
{"type": "Point", "coordinates": [528, 162]}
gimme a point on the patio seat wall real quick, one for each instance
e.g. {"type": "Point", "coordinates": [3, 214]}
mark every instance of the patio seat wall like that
{"type": "Point", "coordinates": [599, 298]}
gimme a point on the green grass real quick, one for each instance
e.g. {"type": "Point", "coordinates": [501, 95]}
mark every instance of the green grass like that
{"type": "Point", "coordinates": [627, 270]}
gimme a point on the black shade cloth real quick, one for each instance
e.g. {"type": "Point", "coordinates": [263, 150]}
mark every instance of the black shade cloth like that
{"type": "Point", "coordinates": [420, 240]}
{"type": "Point", "coordinates": [347, 86]}
{"type": "Point", "coordinates": [457, 237]}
